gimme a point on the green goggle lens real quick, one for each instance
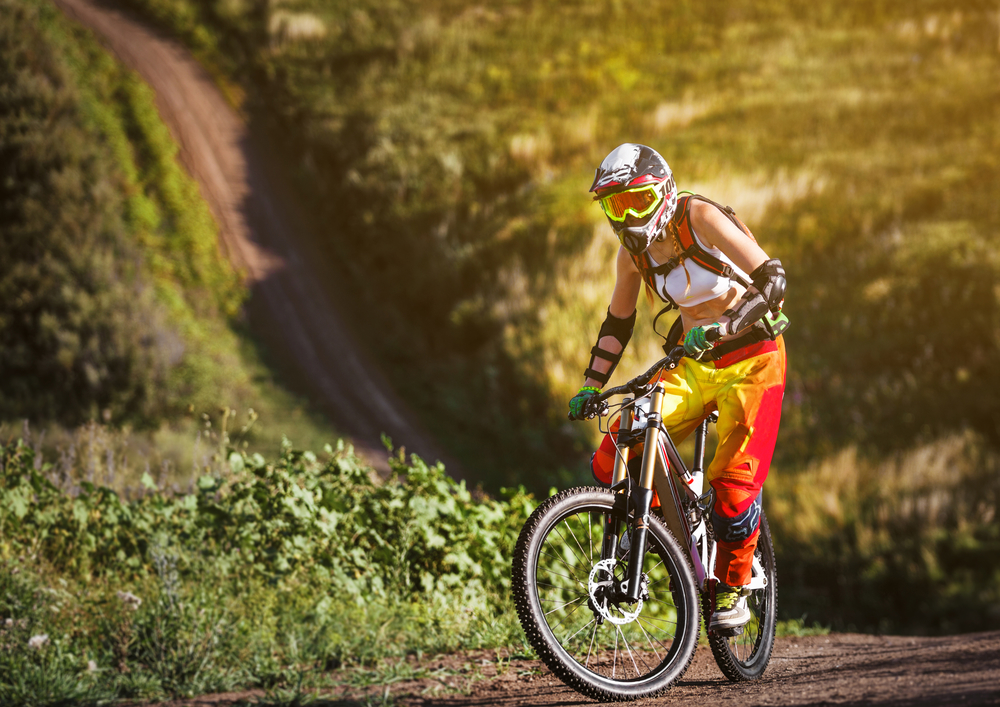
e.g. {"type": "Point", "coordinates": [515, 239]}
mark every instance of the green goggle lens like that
{"type": "Point", "coordinates": [638, 202]}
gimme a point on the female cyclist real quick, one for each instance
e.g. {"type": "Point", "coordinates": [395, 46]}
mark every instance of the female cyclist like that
{"type": "Point", "coordinates": [698, 257]}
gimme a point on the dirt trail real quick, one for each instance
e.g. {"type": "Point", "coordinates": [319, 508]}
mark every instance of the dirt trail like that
{"type": "Point", "coordinates": [294, 291]}
{"type": "Point", "coordinates": [839, 669]}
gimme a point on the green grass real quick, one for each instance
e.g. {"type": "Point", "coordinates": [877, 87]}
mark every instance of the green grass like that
{"type": "Point", "coordinates": [798, 627]}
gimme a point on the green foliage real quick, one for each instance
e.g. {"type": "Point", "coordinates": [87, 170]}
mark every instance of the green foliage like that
{"type": "Point", "coordinates": [420, 532]}
{"type": "Point", "coordinates": [798, 627]}
{"type": "Point", "coordinates": [265, 571]}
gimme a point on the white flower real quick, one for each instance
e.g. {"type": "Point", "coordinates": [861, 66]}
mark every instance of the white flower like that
{"type": "Point", "coordinates": [91, 666]}
{"type": "Point", "coordinates": [38, 641]}
{"type": "Point", "coordinates": [8, 622]}
{"type": "Point", "coordinates": [130, 600]}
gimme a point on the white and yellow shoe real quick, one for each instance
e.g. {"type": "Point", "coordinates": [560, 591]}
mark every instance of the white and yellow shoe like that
{"type": "Point", "coordinates": [731, 610]}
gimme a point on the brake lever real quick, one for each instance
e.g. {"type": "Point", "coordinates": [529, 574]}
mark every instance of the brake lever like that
{"type": "Point", "coordinates": [642, 390]}
{"type": "Point", "coordinates": [602, 410]}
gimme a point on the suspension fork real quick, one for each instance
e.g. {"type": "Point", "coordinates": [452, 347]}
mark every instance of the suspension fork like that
{"type": "Point", "coordinates": [613, 520]}
{"type": "Point", "coordinates": [642, 496]}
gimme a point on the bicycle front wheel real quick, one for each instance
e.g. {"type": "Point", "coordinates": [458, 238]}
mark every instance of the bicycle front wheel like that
{"type": "Point", "coordinates": [745, 656]}
{"type": "Point", "coordinates": [575, 618]}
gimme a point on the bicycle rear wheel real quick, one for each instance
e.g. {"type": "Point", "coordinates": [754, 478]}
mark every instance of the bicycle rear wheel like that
{"type": "Point", "coordinates": [597, 644]}
{"type": "Point", "coordinates": [745, 656]}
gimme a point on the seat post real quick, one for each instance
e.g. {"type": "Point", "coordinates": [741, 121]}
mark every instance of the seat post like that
{"type": "Point", "coordinates": [700, 436]}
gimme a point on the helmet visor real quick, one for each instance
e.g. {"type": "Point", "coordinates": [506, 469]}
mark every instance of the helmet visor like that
{"type": "Point", "coordinates": [639, 202]}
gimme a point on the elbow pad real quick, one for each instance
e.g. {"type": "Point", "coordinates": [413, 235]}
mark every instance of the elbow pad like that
{"type": "Point", "coordinates": [621, 329]}
{"type": "Point", "coordinates": [769, 279]}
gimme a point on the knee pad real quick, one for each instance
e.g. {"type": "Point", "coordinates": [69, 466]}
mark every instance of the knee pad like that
{"type": "Point", "coordinates": [739, 528]}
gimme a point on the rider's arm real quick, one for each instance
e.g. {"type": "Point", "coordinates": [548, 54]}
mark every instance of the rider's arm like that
{"type": "Point", "coordinates": [628, 282]}
{"type": "Point", "coordinates": [716, 230]}
{"type": "Point", "coordinates": [767, 291]}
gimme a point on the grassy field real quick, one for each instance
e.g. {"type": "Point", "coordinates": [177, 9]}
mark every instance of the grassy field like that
{"type": "Point", "coordinates": [858, 141]}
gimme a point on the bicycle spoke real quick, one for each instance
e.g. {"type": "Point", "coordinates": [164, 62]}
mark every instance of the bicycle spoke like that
{"type": "Point", "coordinates": [614, 658]}
{"type": "Point", "coordinates": [562, 588]}
{"type": "Point", "coordinates": [630, 653]}
{"type": "Point", "coordinates": [577, 541]}
{"type": "Point", "coordinates": [564, 576]}
{"type": "Point", "coordinates": [649, 639]}
{"type": "Point", "coordinates": [559, 559]}
{"type": "Point", "coordinates": [658, 629]}
{"type": "Point", "coordinates": [656, 618]}
{"type": "Point", "coordinates": [566, 618]}
{"type": "Point", "coordinates": [591, 648]}
{"type": "Point", "coordinates": [570, 638]}
{"type": "Point", "coordinates": [578, 599]}
{"type": "Point", "coordinates": [565, 543]}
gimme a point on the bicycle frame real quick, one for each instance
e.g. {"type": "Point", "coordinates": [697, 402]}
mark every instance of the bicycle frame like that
{"type": "Point", "coordinates": [683, 502]}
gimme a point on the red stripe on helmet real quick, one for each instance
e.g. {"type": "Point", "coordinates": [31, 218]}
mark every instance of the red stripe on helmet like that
{"type": "Point", "coordinates": [644, 179]}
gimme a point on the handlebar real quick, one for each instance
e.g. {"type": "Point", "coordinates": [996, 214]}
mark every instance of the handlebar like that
{"type": "Point", "coordinates": [640, 384]}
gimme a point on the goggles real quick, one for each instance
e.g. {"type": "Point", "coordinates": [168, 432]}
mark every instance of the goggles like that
{"type": "Point", "coordinates": [639, 202]}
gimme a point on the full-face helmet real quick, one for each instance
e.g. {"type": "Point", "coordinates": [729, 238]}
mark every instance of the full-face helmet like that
{"type": "Point", "coordinates": [634, 180]}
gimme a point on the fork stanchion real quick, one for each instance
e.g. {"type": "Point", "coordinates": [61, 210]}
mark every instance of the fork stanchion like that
{"type": "Point", "coordinates": [643, 495]}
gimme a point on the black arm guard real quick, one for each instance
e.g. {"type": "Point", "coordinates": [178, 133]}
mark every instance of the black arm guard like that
{"type": "Point", "coordinates": [621, 329]}
{"type": "Point", "coordinates": [750, 307]}
{"type": "Point", "coordinates": [769, 279]}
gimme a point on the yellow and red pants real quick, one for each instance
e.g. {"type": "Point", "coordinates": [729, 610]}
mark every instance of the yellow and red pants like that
{"type": "Point", "coordinates": [746, 386]}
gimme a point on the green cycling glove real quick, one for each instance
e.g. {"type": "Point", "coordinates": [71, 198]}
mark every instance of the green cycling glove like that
{"type": "Point", "coordinates": [579, 401]}
{"type": "Point", "coordinates": [696, 340]}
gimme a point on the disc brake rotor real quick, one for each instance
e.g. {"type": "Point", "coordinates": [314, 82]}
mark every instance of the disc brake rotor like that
{"type": "Point", "coordinates": [601, 590]}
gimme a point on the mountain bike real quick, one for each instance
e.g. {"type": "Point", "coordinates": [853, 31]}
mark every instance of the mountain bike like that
{"type": "Point", "coordinates": [611, 592]}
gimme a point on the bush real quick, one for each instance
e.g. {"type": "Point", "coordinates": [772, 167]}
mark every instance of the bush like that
{"type": "Point", "coordinates": [266, 570]}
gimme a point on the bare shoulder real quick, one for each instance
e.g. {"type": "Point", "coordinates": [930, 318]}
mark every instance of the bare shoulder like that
{"type": "Point", "coordinates": [712, 226]}
{"type": "Point", "coordinates": [716, 230]}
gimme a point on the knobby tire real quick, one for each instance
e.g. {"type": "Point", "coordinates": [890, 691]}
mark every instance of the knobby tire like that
{"type": "Point", "coordinates": [556, 551]}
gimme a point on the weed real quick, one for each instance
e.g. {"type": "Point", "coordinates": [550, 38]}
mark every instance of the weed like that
{"type": "Point", "coordinates": [798, 627]}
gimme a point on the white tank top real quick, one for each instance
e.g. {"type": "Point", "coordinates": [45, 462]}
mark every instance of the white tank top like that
{"type": "Point", "coordinates": [705, 284]}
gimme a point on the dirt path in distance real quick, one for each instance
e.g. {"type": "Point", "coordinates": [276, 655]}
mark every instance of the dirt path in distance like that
{"type": "Point", "coordinates": [295, 292]}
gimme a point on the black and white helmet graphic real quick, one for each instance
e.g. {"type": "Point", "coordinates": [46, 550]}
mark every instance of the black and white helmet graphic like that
{"type": "Point", "coordinates": [626, 168]}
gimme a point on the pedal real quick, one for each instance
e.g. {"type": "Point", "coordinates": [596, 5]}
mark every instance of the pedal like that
{"type": "Point", "coordinates": [729, 632]}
